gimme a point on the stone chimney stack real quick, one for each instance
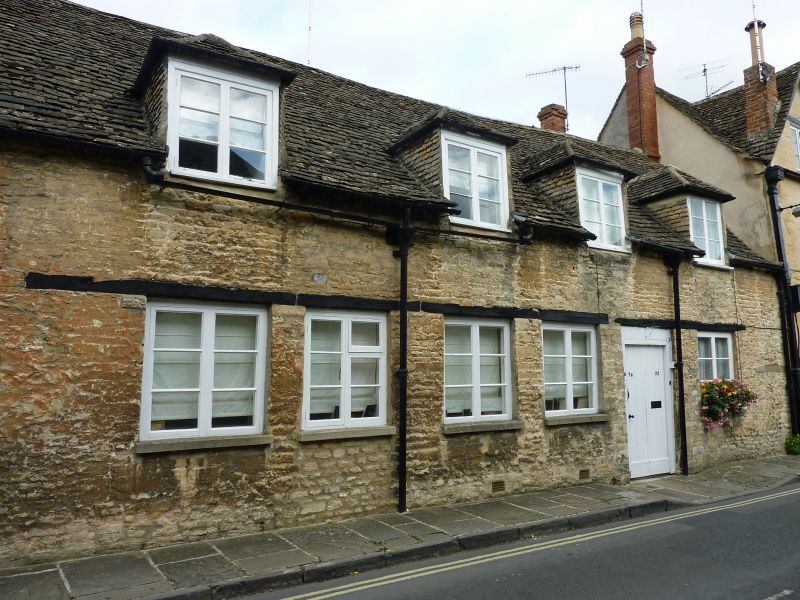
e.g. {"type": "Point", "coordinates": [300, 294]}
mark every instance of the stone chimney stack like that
{"type": "Point", "coordinates": [553, 117]}
{"type": "Point", "coordinates": [640, 88]}
{"type": "Point", "coordinates": [760, 85]}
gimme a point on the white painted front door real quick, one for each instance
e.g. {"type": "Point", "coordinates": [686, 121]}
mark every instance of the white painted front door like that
{"type": "Point", "coordinates": [647, 410]}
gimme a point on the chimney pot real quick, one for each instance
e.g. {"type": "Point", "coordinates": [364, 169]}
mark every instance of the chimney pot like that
{"type": "Point", "coordinates": [754, 28]}
{"type": "Point", "coordinates": [637, 26]}
{"type": "Point", "coordinates": [553, 117]}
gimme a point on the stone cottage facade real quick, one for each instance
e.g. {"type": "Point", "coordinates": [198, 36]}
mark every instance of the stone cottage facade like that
{"type": "Point", "coordinates": [239, 293]}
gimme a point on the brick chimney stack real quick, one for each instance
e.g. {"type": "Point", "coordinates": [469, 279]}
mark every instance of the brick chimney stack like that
{"type": "Point", "coordinates": [553, 117]}
{"type": "Point", "coordinates": [760, 85]}
{"type": "Point", "coordinates": [640, 88]}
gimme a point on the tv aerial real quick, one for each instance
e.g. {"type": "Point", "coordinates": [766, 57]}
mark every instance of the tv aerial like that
{"type": "Point", "coordinates": [704, 70]}
{"type": "Point", "coordinates": [563, 70]}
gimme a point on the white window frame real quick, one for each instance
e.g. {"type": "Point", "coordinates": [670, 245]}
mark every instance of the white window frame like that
{"type": "Point", "coordinates": [268, 87]}
{"type": "Point", "coordinates": [602, 177]}
{"type": "Point", "coordinates": [704, 203]}
{"type": "Point", "coordinates": [348, 352]}
{"type": "Point", "coordinates": [566, 329]}
{"type": "Point", "coordinates": [208, 312]}
{"type": "Point", "coordinates": [714, 336]}
{"type": "Point", "coordinates": [474, 145]}
{"type": "Point", "coordinates": [795, 134]}
{"type": "Point", "coordinates": [475, 325]}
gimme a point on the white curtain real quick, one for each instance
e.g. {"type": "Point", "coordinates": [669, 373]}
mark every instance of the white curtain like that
{"type": "Point", "coordinates": [326, 368]}
{"type": "Point", "coordinates": [176, 369]}
{"type": "Point", "coordinates": [458, 368]}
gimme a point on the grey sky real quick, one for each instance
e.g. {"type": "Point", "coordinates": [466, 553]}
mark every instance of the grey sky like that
{"type": "Point", "coordinates": [474, 54]}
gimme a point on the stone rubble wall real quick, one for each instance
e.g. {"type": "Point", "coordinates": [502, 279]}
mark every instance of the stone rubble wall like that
{"type": "Point", "coordinates": [71, 362]}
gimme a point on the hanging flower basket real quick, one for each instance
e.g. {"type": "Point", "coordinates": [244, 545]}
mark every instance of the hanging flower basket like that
{"type": "Point", "coordinates": [723, 401]}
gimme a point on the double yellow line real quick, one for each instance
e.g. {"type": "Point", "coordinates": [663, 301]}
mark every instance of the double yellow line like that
{"type": "Point", "coordinates": [538, 547]}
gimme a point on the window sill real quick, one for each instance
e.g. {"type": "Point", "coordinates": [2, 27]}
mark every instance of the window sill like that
{"type": "Point", "coordinates": [348, 433]}
{"type": "Point", "coordinates": [575, 420]}
{"type": "Point", "coordinates": [479, 427]}
{"type": "Point", "coordinates": [213, 183]}
{"type": "Point", "coordinates": [712, 265]}
{"type": "Point", "coordinates": [154, 446]}
{"type": "Point", "coordinates": [488, 227]}
{"type": "Point", "coordinates": [608, 247]}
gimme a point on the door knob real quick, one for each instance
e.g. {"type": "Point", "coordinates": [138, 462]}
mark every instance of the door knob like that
{"type": "Point", "coordinates": [630, 416]}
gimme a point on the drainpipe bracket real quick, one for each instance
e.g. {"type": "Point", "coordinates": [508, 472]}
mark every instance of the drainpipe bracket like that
{"type": "Point", "coordinates": [397, 235]}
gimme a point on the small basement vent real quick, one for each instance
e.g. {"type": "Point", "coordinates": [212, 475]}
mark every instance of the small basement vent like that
{"type": "Point", "coordinates": [584, 474]}
{"type": "Point", "coordinates": [498, 486]}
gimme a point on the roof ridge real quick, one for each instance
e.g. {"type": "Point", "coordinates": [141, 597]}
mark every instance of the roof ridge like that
{"type": "Point", "coordinates": [677, 173]}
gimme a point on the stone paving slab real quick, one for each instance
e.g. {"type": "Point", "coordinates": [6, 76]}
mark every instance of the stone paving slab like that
{"type": "Point", "coordinates": [593, 493]}
{"type": "Point", "coordinates": [275, 561]}
{"type": "Point", "coordinates": [182, 552]}
{"type": "Point", "coordinates": [693, 486]}
{"type": "Point", "coordinates": [247, 546]}
{"type": "Point", "coordinates": [418, 529]}
{"type": "Point", "coordinates": [502, 513]}
{"type": "Point", "coordinates": [726, 486]}
{"type": "Point", "coordinates": [469, 526]}
{"type": "Point", "coordinates": [110, 572]}
{"type": "Point", "coordinates": [46, 585]}
{"type": "Point", "coordinates": [438, 516]}
{"type": "Point", "coordinates": [749, 479]}
{"type": "Point", "coordinates": [578, 501]}
{"type": "Point", "coordinates": [374, 530]}
{"type": "Point", "coordinates": [329, 542]}
{"type": "Point", "coordinates": [136, 592]}
{"type": "Point", "coordinates": [401, 543]}
{"type": "Point", "coordinates": [394, 519]}
{"type": "Point", "coordinates": [199, 571]}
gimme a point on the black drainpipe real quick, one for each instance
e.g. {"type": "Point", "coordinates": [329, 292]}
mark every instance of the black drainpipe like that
{"type": "Point", "coordinates": [673, 261]}
{"type": "Point", "coordinates": [774, 175]}
{"type": "Point", "coordinates": [403, 237]}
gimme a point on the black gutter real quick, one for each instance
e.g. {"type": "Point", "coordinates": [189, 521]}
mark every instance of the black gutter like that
{"type": "Point", "coordinates": [403, 236]}
{"type": "Point", "coordinates": [775, 175]}
{"type": "Point", "coordinates": [686, 189]}
{"type": "Point", "coordinates": [664, 249]}
{"type": "Point", "coordinates": [441, 206]}
{"type": "Point", "coordinates": [674, 263]}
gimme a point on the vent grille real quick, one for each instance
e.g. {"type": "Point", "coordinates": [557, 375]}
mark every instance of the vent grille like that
{"type": "Point", "coordinates": [584, 474]}
{"type": "Point", "coordinates": [498, 486]}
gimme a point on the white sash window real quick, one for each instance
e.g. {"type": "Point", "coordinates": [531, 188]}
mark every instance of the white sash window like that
{"type": "Point", "coordinates": [345, 370]}
{"type": "Point", "coordinates": [204, 370]}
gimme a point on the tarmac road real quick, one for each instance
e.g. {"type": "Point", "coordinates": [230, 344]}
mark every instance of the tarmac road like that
{"type": "Point", "coordinates": [743, 549]}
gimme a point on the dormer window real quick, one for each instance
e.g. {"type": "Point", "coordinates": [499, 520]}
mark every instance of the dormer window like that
{"type": "Point", "coordinates": [222, 126]}
{"type": "Point", "coordinates": [475, 179]}
{"type": "Point", "coordinates": [601, 208]}
{"type": "Point", "coordinates": [706, 229]}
